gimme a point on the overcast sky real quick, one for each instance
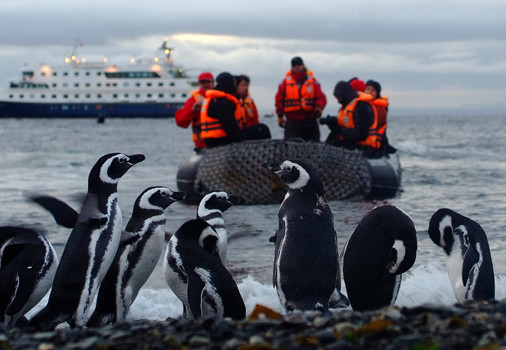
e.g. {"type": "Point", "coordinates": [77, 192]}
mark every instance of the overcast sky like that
{"type": "Point", "coordinates": [434, 56]}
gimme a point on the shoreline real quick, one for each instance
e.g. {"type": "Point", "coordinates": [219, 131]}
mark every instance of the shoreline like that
{"type": "Point", "coordinates": [473, 325]}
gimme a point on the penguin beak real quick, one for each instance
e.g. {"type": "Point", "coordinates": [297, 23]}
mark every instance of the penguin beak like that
{"type": "Point", "coordinates": [180, 195]}
{"type": "Point", "coordinates": [136, 158]}
{"type": "Point", "coordinates": [271, 166]}
{"type": "Point", "coordinates": [235, 200]}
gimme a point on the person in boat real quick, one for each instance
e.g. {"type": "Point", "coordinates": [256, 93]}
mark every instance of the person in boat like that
{"type": "Point", "coordinates": [190, 113]}
{"type": "Point", "coordinates": [380, 105]}
{"type": "Point", "coordinates": [301, 100]}
{"type": "Point", "coordinates": [249, 112]}
{"type": "Point", "coordinates": [357, 84]}
{"type": "Point", "coordinates": [220, 116]}
{"type": "Point", "coordinates": [355, 127]}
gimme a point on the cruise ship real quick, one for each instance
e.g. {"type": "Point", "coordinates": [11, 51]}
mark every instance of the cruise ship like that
{"type": "Point", "coordinates": [151, 87]}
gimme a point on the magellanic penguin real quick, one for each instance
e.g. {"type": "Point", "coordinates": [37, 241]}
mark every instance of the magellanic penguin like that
{"type": "Point", "coordinates": [306, 261]}
{"type": "Point", "coordinates": [91, 246]}
{"type": "Point", "coordinates": [27, 267]}
{"type": "Point", "coordinates": [196, 275]}
{"type": "Point", "coordinates": [136, 257]}
{"type": "Point", "coordinates": [469, 262]}
{"type": "Point", "coordinates": [380, 249]}
{"type": "Point", "coordinates": [211, 210]}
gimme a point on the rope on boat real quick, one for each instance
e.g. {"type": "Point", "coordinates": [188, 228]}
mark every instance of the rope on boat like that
{"type": "Point", "coordinates": [238, 169]}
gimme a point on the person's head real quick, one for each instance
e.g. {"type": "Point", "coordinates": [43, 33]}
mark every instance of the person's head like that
{"type": "Point", "coordinates": [242, 83]}
{"type": "Point", "coordinates": [226, 82]}
{"type": "Point", "coordinates": [297, 65]}
{"type": "Point", "coordinates": [373, 88]}
{"type": "Point", "coordinates": [206, 81]}
{"type": "Point", "coordinates": [357, 84]}
{"type": "Point", "coordinates": [344, 93]}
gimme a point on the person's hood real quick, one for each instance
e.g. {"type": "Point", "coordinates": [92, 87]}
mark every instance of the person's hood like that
{"type": "Point", "coordinates": [226, 82]}
{"type": "Point", "coordinates": [346, 93]}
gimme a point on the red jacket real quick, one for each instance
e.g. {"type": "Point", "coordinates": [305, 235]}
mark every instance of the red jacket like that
{"type": "Point", "coordinates": [186, 116]}
{"type": "Point", "coordinates": [320, 99]}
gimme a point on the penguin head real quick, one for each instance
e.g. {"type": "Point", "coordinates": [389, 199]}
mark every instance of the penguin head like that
{"type": "Point", "coordinates": [296, 174]}
{"type": "Point", "coordinates": [441, 229]}
{"type": "Point", "coordinates": [220, 201]}
{"type": "Point", "coordinates": [158, 198]}
{"type": "Point", "coordinates": [110, 168]}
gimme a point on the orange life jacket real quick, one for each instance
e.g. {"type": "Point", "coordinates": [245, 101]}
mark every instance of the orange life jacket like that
{"type": "Point", "coordinates": [299, 99]}
{"type": "Point", "coordinates": [380, 105]}
{"type": "Point", "coordinates": [249, 115]}
{"type": "Point", "coordinates": [345, 120]}
{"type": "Point", "coordinates": [196, 121]}
{"type": "Point", "coordinates": [211, 128]}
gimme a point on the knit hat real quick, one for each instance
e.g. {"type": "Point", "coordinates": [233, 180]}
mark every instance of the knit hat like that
{"type": "Point", "coordinates": [225, 82]}
{"type": "Point", "coordinates": [357, 84]}
{"type": "Point", "coordinates": [375, 85]}
{"type": "Point", "coordinates": [206, 76]}
{"type": "Point", "coordinates": [297, 61]}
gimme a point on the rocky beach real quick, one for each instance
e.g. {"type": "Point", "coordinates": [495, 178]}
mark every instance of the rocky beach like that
{"type": "Point", "coordinates": [474, 325]}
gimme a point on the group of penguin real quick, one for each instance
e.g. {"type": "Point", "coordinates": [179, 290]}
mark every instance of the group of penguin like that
{"type": "Point", "coordinates": [105, 265]}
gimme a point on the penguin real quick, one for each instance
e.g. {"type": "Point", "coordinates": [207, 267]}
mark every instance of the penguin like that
{"type": "Point", "coordinates": [136, 258]}
{"type": "Point", "coordinates": [91, 246]}
{"type": "Point", "coordinates": [469, 262]}
{"type": "Point", "coordinates": [380, 249]}
{"type": "Point", "coordinates": [306, 262]}
{"type": "Point", "coordinates": [194, 272]}
{"type": "Point", "coordinates": [211, 209]}
{"type": "Point", "coordinates": [28, 264]}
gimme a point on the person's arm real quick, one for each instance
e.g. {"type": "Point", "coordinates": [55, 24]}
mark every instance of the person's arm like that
{"type": "Point", "coordinates": [184, 116]}
{"type": "Point", "coordinates": [280, 104]}
{"type": "Point", "coordinates": [363, 117]}
{"type": "Point", "coordinates": [224, 110]}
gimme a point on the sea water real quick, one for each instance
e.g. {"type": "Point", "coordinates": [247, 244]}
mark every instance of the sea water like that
{"type": "Point", "coordinates": [447, 161]}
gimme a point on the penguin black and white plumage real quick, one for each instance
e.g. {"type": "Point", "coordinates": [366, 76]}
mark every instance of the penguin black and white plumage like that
{"type": "Point", "coordinates": [137, 255]}
{"type": "Point", "coordinates": [469, 262]}
{"type": "Point", "coordinates": [196, 275]}
{"type": "Point", "coordinates": [91, 246]}
{"type": "Point", "coordinates": [380, 249]}
{"type": "Point", "coordinates": [306, 261]}
{"type": "Point", "coordinates": [211, 209]}
{"type": "Point", "coordinates": [27, 267]}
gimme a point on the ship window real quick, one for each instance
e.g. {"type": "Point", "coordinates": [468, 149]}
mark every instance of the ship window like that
{"type": "Point", "coordinates": [115, 96]}
{"type": "Point", "coordinates": [54, 74]}
{"type": "Point", "coordinates": [65, 74]}
{"type": "Point", "coordinates": [88, 96]}
{"type": "Point", "coordinates": [76, 74]}
{"type": "Point", "coordinates": [99, 73]}
{"type": "Point", "coordinates": [108, 85]}
{"type": "Point", "coordinates": [42, 96]}
{"type": "Point", "coordinates": [160, 95]}
{"type": "Point", "coordinates": [148, 95]}
{"type": "Point", "coordinates": [115, 84]}
{"type": "Point", "coordinates": [137, 84]}
{"type": "Point", "coordinates": [54, 85]}
{"type": "Point", "coordinates": [32, 96]}
{"type": "Point", "coordinates": [137, 95]}
{"type": "Point", "coordinates": [76, 85]}
{"type": "Point", "coordinates": [11, 96]}
{"type": "Point", "coordinates": [149, 84]}
{"type": "Point", "coordinates": [43, 74]}
{"type": "Point", "coordinates": [88, 84]}
{"type": "Point", "coordinates": [65, 96]}
{"type": "Point", "coordinates": [99, 95]}
{"type": "Point", "coordinates": [99, 84]}
{"type": "Point", "coordinates": [131, 75]}
{"type": "Point", "coordinates": [87, 74]}
{"type": "Point", "coordinates": [65, 84]}
{"type": "Point", "coordinates": [53, 96]}
{"type": "Point", "coordinates": [126, 95]}
{"type": "Point", "coordinates": [172, 95]}
{"type": "Point", "coordinates": [172, 84]}
{"type": "Point", "coordinates": [76, 96]}
{"type": "Point", "coordinates": [21, 96]}
{"type": "Point", "coordinates": [160, 84]}
{"type": "Point", "coordinates": [125, 84]}
{"type": "Point", "coordinates": [183, 95]}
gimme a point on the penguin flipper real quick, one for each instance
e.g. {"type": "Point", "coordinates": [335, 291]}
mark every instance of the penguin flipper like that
{"type": "Point", "coordinates": [194, 291]}
{"type": "Point", "coordinates": [129, 237]}
{"type": "Point", "coordinates": [63, 214]}
{"type": "Point", "coordinates": [471, 258]}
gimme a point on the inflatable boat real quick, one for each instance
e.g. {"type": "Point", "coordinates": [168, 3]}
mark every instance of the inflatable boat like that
{"type": "Point", "coordinates": [237, 169]}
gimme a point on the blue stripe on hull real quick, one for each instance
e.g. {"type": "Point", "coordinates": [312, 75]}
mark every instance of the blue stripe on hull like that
{"type": "Point", "coordinates": [88, 110]}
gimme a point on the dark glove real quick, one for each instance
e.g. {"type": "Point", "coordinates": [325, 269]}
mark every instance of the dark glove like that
{"type": "Point", "coordinates": [317, 112]}
{"type": "Point", "coordinates": [331, 122]}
